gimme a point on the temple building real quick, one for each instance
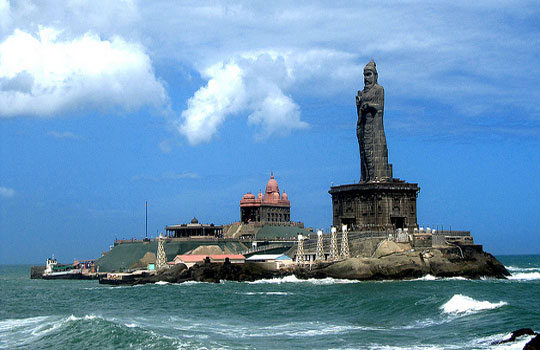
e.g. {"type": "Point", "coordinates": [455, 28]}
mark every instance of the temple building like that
{"type": "Point", "coordinates": [194, 230]}
{"type": "Point", "coordinates": [271, 208]}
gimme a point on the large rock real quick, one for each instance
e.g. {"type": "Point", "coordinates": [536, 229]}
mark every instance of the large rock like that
{"type": "Point", "coordinates": [36, 272]}
{"type": "Point", "coordinates": [533, 344]}
{"type": "Point", "coordinates": [413, 264]}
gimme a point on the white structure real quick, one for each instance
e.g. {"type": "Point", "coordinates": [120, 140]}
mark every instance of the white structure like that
{"type": "Point", "coordinates": [344, 242]}
{"type": "Point", "coordinates": [319, 254]}
{"type": "Point", "coordinates": [274, 261]}
{"type": "Point", "coordinates": [300, 259]}
{"type": "Point", "coordinates": [161, 258]}
{"type": "Point", "coordinates": [333, 245]}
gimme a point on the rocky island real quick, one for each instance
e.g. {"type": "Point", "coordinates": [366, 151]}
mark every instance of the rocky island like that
{"type": "Point", "coordinates": [375, 233]}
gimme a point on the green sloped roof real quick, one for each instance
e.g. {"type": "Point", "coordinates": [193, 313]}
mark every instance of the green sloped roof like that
{"type": "Point", "coordinates": [276, 232]}
{"type": "Point", "coordinates": [125, 254]}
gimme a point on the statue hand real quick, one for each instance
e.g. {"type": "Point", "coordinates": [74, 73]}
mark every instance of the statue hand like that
{"type": "Point", "coordinates": [364, 107]}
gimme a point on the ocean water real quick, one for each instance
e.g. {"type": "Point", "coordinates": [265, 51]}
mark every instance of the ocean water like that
{"type": "Point", "coordinates": [286, 313]}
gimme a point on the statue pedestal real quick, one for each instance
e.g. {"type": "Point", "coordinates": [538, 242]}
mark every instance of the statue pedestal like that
{"type": "Point", "coordinates": [375, 205]}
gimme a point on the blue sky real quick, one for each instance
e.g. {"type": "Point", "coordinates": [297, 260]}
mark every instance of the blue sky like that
{"type": "Point", "coordinates": [105, 105]}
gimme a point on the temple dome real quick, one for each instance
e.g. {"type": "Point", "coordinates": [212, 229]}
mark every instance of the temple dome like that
{"type": "Point", "coordinates": [260, 195]}
{"type": "Point", "coordinates": [194, 221]}
{"type": "Point", "coordinates": [248, 196]}
{"type": "Point", "coordinates": [284, 196]}
{"type": "Point", "coordinates": [272, 185]}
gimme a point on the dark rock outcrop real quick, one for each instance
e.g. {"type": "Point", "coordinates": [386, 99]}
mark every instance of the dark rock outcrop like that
{"type": "Point", "coordinates": [206, 272]}
{"type": "Point", "coordinates": [36, 272]}
{"type": "Point", "coordinates": [413, 264]}
{"type": "Point", "coordinates": [516, 334]}
{"type": "Point", "coordinates": [533, 344]}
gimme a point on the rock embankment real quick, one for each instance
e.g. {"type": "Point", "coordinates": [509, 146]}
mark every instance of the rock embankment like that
{"type": "Point", "coordinates": [206, 272]}
{"type": "Point", "coordinates": [533, 344]}
{"type": "Point", "coordinates": [448, 262]}
{"type": "Point", "coordinates": [467, 262]}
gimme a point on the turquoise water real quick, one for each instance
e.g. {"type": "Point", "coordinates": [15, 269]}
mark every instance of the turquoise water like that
{"type": "Point", "coordinates": [273, 314]}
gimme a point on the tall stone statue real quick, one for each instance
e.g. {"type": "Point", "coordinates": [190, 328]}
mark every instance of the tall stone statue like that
{"type": "Point", "coordinates": [370, 129]}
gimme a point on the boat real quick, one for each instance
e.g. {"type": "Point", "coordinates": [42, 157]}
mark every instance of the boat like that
{"type": "Point", "coordinates": [54, 270]}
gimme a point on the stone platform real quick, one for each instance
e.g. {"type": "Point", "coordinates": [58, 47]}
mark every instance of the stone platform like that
{"type": "Point", "coordinates": [375, 205]}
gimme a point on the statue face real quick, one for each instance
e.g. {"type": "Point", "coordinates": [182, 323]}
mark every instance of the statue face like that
{"type": "Point", "coordinates": [369, 78]}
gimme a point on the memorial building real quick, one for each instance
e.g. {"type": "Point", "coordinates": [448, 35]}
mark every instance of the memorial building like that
{"type": "Point", "coordinates": [271, 208]}
{"type": "Point", "coordinates": [379, 201]}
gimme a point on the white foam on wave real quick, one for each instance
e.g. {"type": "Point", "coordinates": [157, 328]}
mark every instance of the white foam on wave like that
{"type": "Point", "coordinates": [21, 332]}
{"type": "Point", "coordinates": [191, 283]}
{"type": "Point", "coordinates": [490, 342]}
{"type": "Point", "coordinates": [162, 283]}
{"type": "Point", "coordinates": [85, 317]}
{"type": "Point", "coordinates": [462, 305]}
{"type": "Point", "coordinates": [301, 329]}
{"type": "Point", "coordinates": [267, 293]}
{"type": "Point", "coordinates": [294, 279]}
{"type": "Point", "coordinates": [426, 278]}
{"type": "Point", "coordinates": [428, 322]}
{"type": "Point", "coordinates": [9, 324]}
{"type": "Point", "coordinates": [435, 278]}
{"type": "Point", "coordinates": [525, 276]}
{"type": "Point", "coordinates": [522, 269]}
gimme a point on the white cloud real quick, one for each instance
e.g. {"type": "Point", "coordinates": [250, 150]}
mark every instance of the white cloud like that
{"type": "Point", "coordinates": [46, 75]}
{"type": "Point", "coordinates": [6, 192]}
{"type": "Point", "coordinates": [256, 84]}
{"type": "Point", "coordinates": [207, 109]}
{"type": "Point", "coordinates": [278, 114]}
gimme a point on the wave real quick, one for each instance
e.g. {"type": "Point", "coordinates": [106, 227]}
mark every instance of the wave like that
{"type": "Point", "coordinates": [489, 342]}
{"type": "Point", "coordinates": [56, 331]}
{"type": "Point", "coordinates": [294, 279]}
{"type": "Point", "coordinates": [296, 329]}
{"type": "Point", "coordinates": [462, 305]}
{"type": "Point", "coordinates": [522, 269]}
{"type": "Point", "coordinates": [435, 278]}
{"type": "Point", "coordinates": [525, 276]}
{"type": "Point", "coordinates": [523, 273]}
{"type": "Point", "coordinates": [266, 293]}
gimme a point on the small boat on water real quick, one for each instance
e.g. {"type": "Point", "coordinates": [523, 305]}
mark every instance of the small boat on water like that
{"type": "Point", "coordinates": [54, 270]}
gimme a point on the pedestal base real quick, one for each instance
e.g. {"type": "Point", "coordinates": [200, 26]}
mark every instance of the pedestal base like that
{"type": "Point", "coordinates": [375, 205]}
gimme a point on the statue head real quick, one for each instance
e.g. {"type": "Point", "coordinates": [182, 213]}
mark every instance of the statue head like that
{"type": "Point", "coordinates": [370, 74]}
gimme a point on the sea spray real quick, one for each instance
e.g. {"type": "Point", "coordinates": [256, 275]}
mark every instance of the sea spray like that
{"type": "Point", "coordinates": [462, 304]}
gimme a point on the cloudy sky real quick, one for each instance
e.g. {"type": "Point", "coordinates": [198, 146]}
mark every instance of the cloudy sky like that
{"type": "Point", "coordinates": [105, 105]}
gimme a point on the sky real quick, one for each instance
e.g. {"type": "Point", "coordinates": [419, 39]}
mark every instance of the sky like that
{"type": "Point", "coordinates": [105, 105]}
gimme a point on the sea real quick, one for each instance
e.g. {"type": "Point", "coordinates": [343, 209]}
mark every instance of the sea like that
{"type": "Point", "coordinates": [286, 313]}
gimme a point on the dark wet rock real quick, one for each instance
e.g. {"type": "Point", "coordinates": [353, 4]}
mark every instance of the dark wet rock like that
{"type": "Point", "coordinates": [206, 272]}
{"type": "Point", "coordinates": [533, 344]}
{"type": "Point", "coordinates": [36, 272]}
{"type": "Point", "coordinates": [516, 334]}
